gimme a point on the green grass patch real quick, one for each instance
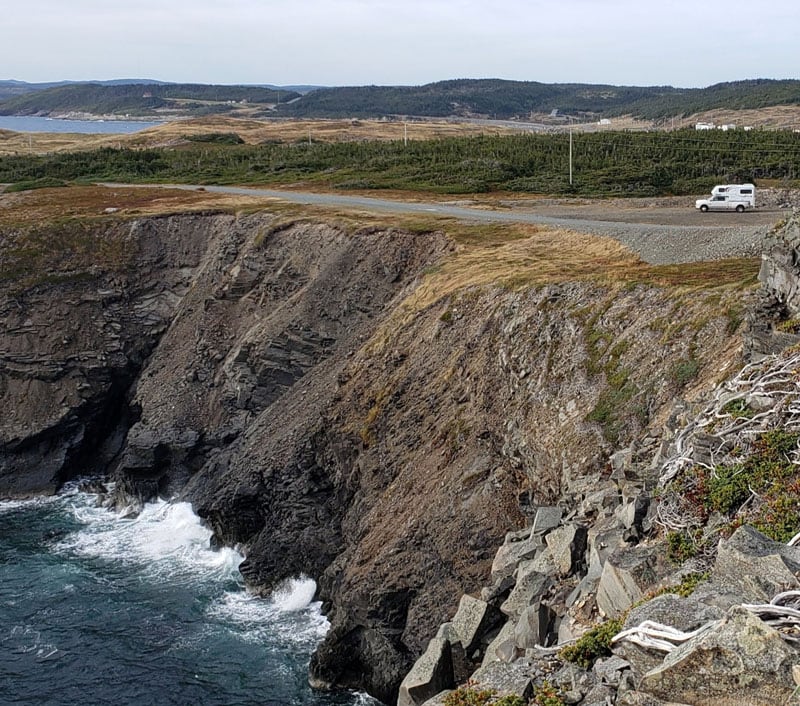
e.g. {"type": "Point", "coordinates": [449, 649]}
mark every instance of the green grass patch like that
{"type": "Point", "coordinates": [593, 645]}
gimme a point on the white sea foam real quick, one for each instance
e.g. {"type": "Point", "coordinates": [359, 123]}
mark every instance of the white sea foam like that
{"type": "Point", "coordinates": [164, 537]}
{"type": "Point", "coordinates": [27, 640]}
{"type": "Point", "coordinates": [294, 595]}
{"type": "Point", "coordinates": [291, 615]}
{"type": "Point", "coordinates": [9, 505]}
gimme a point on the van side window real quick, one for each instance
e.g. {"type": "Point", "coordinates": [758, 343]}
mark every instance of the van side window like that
{"type": "Point", "coordinates": [746, 191]}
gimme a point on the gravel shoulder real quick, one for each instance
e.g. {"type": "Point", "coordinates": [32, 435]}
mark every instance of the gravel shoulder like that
{"type": "Point", "coordinates": [659, 230]}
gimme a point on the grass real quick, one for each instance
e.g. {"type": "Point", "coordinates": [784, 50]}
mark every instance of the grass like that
{"type": "Point", "coordinates": [252, 132]}
{"type": "Point", "coordinates": [515, 256]}
{"type": "Point", "coordinates": [594, 644]}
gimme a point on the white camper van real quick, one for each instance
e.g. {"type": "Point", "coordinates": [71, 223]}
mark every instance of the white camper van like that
{"type": "Point", "coordinates": [729, 197]}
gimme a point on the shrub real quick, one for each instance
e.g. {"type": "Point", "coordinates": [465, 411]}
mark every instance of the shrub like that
{"type": "Point", "coordinates": [680, 547]}
{"type": "Point", "coordinates": [547, 695]}
{"type": "Point", "coordinates": [468, 696]}
{"type": "Point", "coordinates": [217, 138]}
{"type": "Point", "coordinates": [594, 644]}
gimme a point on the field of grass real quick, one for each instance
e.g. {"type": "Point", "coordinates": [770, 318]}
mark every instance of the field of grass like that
{"type": "Point", "coordinates": [252, 132]}
{"type": "Point", "coordinates": [512, 255]}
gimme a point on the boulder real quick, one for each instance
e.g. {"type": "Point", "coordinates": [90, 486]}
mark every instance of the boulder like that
{"type": "Point", "coordinates": [567, 545]}
{"type": "Point", "coordinates": [603, 539]}
{"type": "Point", "coordinates": [598, 695]}
{"type": "Point", "coordinates": [473, 619]}
{"type": "Point", "coordinates": [626, 578]}
{"type": "Point", "coordinates": [431, 674]}
{"type": "Point", "coordinates": [610, 670]}
{"type": "Point", "coordinates": [533, 626]}
{"type": "Point", "coordinates": [755, 567]}
{"type": "Point", "coordinates": [512, 552]}
{"type": "Point", "coordinates": [437, 700]}
{"type": "Point", "coordinates": [741, 660]}
{"type": "Point", "coordinates": [684, 614]}
{"type": "Point", "coordinates": [504, 647]}
{"type": "Point", "coordinates": [530, 585]}
{"type": "Point", "coordinates": [639, 698]}
{"type": "Point", "coordinates": [546, 519]}
{"type": "Point", "coordinates": [504, 679]}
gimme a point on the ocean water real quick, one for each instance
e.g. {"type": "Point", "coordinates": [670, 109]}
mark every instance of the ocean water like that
{"type": "Point", "coordinates": [23, 123]}
{"type": "Point", "coordinates": [96, 609]}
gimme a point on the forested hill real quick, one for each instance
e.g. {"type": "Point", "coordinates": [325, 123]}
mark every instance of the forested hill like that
{"type": "Point", "coordinates": [495, 98]}
{"type": "Point", "coordinates": [487, 98]}
{"type": "Point", "coordinates": [142, 99]}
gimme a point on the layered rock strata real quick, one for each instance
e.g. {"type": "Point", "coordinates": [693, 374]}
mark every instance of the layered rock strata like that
{"type": "Point", "coordinates": [280, 376]}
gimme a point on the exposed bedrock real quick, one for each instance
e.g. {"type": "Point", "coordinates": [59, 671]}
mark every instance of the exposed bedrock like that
{"type": "Point", "coordinates": [284, 378]}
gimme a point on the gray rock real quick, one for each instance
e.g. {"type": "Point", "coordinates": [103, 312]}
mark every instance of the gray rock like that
{"type": "Point", "coordinates": [533, 626]}
{"type": "Point", "coordinates": [473, 619]}
{"type": "Point", "coordinates": [603, 539]}
{"type": "Point", "coordinates": [639, 698]}
{"type": "Point", "coordinates": [566, 545]}
{"type": "Point", "coordinates": [504, 646]}
{"type": "Point", "coordinates": [610, 670]}
{"type": "Point", "coordinates": [742, 660]}
{"type": "Point", "coordinates": [505, 679]}
{"type": "Point", "coordinates": [530, 586]}
{"type": "Point", "coordinates": [512, 553]}
{"type": "Point", "coordinates": [633, 511]}
{"type": "Point", "coordinates": [598, 695]}
{"type": "Point", "coordinates": [547, 518]}
{"type": "Point", "coordinates": [685, 614]}
{"type": "Point", "coordinates": [627, 576]}
{"type": "Point", "coordinates": [755, 566]}
{"type": "Point", "coordinates": [438, 700]}
{"type": "Point", "coordinates": [498, 589]}
{"type": "Point", "coordinates": [431, 674]}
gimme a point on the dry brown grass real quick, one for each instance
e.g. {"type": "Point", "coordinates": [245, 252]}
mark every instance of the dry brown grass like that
{"type": "Point", "coordinates": [26, 208]}
{"type": "Point", "coordinates": [511, 255]}
{"type": "Point", "coordinates": [251, 131]}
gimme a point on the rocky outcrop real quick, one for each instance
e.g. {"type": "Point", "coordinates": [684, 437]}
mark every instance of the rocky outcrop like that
{"type": "Point", "coordinates": [713, 626]}
{"type": "Point", "coordinates": [281, 377]}
{"type": "Point", "coordinates": [772, 322]}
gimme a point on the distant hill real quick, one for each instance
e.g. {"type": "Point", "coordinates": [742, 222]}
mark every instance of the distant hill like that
{"type": "Point", "coordinates": [10, 88]}
{"type": "Point", "coordinates": [142, 99]}
{"type": "Point", "coordinates": [496, 98]}
{"type": "Point", "coordinates": [464, 98]}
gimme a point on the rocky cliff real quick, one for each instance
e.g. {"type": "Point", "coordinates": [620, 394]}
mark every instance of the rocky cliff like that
{"type": "Point", "coordinates": [673, 580]}
{"type": "Point", "coordinates": [287, 378]}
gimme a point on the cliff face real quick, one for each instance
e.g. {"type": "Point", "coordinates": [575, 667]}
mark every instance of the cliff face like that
{"type": "Point", "coordinates": [282, 378]}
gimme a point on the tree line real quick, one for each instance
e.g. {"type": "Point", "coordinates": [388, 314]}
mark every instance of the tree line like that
{"type": "Point", "coordinates": [604, 164]}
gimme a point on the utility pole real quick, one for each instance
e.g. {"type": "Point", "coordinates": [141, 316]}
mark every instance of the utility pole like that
{"type": "Point", "coordinates": [405, 134]}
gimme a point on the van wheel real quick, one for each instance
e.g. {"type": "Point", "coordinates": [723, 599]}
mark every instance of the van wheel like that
{"type": "Point", "coordinates": [704, 208]}
{"type": "Point", "coordinates": [740, 209]}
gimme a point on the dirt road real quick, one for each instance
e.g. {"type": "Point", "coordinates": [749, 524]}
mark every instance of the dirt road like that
{"type": "Point", "coordinates": [660, 231]}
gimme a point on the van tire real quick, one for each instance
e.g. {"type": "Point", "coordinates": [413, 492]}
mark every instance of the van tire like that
{"type": "Point", "coordinates": [740, 209]}
{"type": "Point", "coordinates": [704, 208]}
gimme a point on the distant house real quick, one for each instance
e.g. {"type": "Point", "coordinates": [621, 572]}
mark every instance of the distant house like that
{"type": "Point", "coordinates": [729, 126]}
{"type": "Point", "coordinates": [604, 121]}
{"type": "Point", "coordinates": [704, 126]}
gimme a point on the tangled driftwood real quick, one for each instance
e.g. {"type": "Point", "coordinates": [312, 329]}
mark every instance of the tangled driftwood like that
{"type": "Point", "coordinates": [723, 433]}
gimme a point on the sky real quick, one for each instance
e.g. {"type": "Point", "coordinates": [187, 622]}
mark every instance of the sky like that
{"type": "Point", "coordinates": [400, 42]}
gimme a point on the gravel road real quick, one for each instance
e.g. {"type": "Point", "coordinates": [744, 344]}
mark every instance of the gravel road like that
{"type": "Point", "coordinates": [660, 231]}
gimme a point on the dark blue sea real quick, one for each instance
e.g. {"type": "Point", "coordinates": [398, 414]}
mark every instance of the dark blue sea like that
{"type": "Point", "coordinates": [96, 609]}
{"type": "Point", "coordinates": [22, 123]}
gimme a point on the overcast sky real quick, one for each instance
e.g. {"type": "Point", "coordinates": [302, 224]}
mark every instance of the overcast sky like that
{"type": "Point", "coordinates": [355, 42]}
